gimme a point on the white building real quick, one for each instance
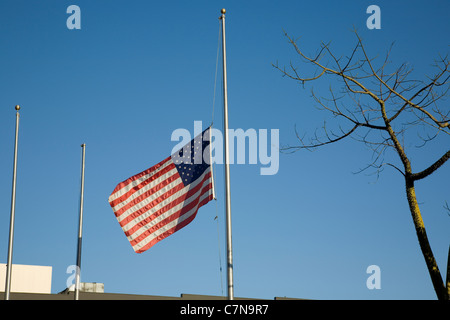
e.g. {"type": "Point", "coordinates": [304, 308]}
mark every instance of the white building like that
{"type": "Point", "coordinates": [27, 279]}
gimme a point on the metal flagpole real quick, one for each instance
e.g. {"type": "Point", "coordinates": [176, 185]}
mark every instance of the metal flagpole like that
{"type": "Point", "coordinates": [227, 167]}
{"type": "Point", "coordinates": [13, 209]}
{"type": "Point", "coordinates": [80, 226]}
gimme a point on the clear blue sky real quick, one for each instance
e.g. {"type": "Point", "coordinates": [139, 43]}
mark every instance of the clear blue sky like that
{"type": "Point", "coordinates": [138, 70]}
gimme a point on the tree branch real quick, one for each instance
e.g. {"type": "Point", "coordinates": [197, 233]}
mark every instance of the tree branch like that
{"type": "Point", "coordinates": [432, 168]}
{"type": "Point", "coordinates": [322, 143]}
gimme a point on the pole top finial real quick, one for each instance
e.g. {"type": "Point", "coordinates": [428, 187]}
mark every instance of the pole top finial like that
{"type": "Point", "coordinates": [83, 145]}
{"type": "Point", "coordinates": [17, 107]}
{"type": "Point", "coordinates": [223, 11]}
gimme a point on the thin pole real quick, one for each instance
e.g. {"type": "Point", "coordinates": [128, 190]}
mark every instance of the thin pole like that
{"type": "Point", "coordinates": [227, 167]}
{"type": "Point", "coordinates": [80, 226]}
{"type": "Point", "coordinates": [13, 210]}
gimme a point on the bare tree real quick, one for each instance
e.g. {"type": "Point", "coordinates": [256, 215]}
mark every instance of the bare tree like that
{"type": "Point", "coordinates": [381, 107]}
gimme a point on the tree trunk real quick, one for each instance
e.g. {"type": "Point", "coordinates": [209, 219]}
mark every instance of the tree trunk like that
{"type": "Point", "coordinates": [432, 266]}
{"type": "Point", "coordinates": [448, 274]}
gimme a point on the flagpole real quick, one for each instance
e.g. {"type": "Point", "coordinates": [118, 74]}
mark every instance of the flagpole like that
{"type": "Point", "coordinates": [80, 226]}
{"type": "Point", "coordinates": [227, 167]}
{"type": "Point", "coordinates": [13, 210]}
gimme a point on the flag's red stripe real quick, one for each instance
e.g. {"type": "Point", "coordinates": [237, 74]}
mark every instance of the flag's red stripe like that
{"type": "Point", "coordinates": [149, 192]}
{"type": "Point", "coordinates": [166, 207]}
{"type": "Point", "coordinates": [166, 234]}
{"type": "Point", "coordinates": [175, 228]}
{"type": "Point", "coordinates": [142, 184]}
{"type": "Point", "coordinates": [152, 204]}
{"type": "Point", "coordinates": [173, 216]}
{"type": "Point", "coordinates": [137, 176]}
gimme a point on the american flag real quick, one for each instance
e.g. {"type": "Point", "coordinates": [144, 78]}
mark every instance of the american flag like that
{"type": "Point", "coordinates": [161, 200]}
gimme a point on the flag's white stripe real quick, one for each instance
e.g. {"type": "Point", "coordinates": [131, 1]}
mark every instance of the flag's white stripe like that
{"type": "Point", "coordinates": [135, 183]}
{"type": "Point", "coordinates": [161, 217]}
{"type": "Point", "coordinates": [155, 196]}
{"type": "Point", "coordinates": [170, 225]}
{"type": "Point", "coordinates": [165, 215]}
{"type": "Point", "coordinates": [145, 189]}
{"type": "Point", "coordinates": [130, 224]}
